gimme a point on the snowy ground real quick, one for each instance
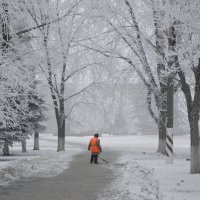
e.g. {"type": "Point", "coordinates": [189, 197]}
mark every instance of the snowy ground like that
{"type": "Point", "coordinates": [139, 173]}
{"type": "Point", "coordinates": [144, 175]}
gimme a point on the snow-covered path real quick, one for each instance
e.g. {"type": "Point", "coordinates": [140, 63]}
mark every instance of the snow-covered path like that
{"type": "Point", "coordinates": [81, 181]}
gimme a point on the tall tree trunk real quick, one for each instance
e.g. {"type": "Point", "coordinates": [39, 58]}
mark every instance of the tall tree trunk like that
{"type": "Point", "coordinates": [61, 127]}
{"type": "Point", "coordinates": [6, 149]}
{"type": "Point", "coordinates": [36, 141]}
{"type": "Point", "coordinates": [60, 118]}
{"type": "Point", "coordinates": [5, 29]}
{"type": "Point", "coordinates": [194, 124]}
{"type": "Point", "coordinates": [160, 120]}
{"type": "Point", "coordinates": [195, 159]}
{"type": "Point", "coordinates": [161, 68]}
{"type": "Point", "coordinates": [162, 108]}
{"type": "Point", "coordinates": [61, 137]}
{"type": "Point", "coordinates": [24, 150]}
{"type": "Point", "coordinates": [193, 107]}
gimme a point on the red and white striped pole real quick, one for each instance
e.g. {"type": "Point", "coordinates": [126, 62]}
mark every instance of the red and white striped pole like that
{"type": "Point", "coordinates": [169, 147]}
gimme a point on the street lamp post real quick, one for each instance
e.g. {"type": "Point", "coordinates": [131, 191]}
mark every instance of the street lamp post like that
{"type": "Point", "coordinates": [170, 108]}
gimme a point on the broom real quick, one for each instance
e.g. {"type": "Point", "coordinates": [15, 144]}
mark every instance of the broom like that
{"type": "Point", "coordinates": [104, 160]}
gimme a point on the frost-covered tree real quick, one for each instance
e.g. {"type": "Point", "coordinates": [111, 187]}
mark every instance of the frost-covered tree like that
{"type": "Point", "coordinates": [129, 38]}
{"type": "Point", "coordinates": [58, 26]}
{"type": "Point", "coordinates": [186, 20]}
{"type": "Point", "coordinates": [178, 41]}
{"type": "Point", "coordinates": [15, 75]}
{"type": "Point", "coordinates": [37, 109]}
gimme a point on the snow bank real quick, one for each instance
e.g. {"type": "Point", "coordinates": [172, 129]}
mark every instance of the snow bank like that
{"type": "Point", "coordinates": [43, 163]}
{"type": "Point", "coordinates": [133, 181]}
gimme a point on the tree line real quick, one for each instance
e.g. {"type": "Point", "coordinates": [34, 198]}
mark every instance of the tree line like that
{"type": "Point", "coordinates": [72, 41]}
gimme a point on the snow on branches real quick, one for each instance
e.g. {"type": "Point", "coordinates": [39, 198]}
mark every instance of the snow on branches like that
{"type": "Point", "coordinates": [17, 73]}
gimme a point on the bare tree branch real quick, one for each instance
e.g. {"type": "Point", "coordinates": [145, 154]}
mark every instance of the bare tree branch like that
{"type": "Point", "coordinates": [79, 92]}
{"type": "Point", "coordinates": [77, 71]}
{"type": "Point", "coordinates": [148, 99]}
{"type": "Point", "coordinates": [50, 22]}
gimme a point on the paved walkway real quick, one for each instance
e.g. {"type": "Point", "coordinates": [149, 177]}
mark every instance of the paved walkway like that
{"type": "Point", "coordinates": [81, 181]}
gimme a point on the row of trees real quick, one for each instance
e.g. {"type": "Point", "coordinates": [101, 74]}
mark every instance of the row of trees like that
{"type": "Point", "coordinates": [159, 41]}
{"type": "Point", "coordinates": [159, 45]}
{"type": "Point", "coordinates": [81, 41]}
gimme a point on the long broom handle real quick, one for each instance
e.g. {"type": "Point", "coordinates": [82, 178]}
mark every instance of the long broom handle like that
{"type": "Point", "coordinates": [104, 160]}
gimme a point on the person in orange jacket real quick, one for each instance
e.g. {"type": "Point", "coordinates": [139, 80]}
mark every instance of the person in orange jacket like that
{"type": "Point", "coordinates": [95, 148]}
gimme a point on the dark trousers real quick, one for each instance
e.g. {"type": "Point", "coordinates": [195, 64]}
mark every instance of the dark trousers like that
{"type": "Point", "coordinates": [94, 157]}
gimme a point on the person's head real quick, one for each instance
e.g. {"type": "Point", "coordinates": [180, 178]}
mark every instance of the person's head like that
{"type": "Point", "coordinates": [96, 135]}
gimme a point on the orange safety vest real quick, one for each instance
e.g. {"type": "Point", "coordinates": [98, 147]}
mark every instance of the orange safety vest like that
{"type": "Point", "coordinates": [94, 147]}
